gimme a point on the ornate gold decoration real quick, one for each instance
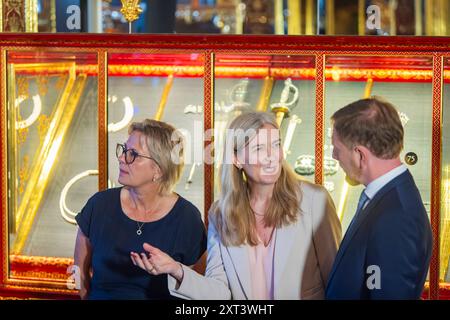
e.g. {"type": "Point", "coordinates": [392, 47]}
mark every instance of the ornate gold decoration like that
{"type": "Point", "coordinates": [24, 173]}
{"type": "Point", "coordinates": [21, 132]}
{"type": "Point", "coordinates": [14, 14]}
{"type": "Point", "coordinates": [102, 105]}
{"type": "Point", "coordinates": [44, 123]}
{"type": "Point", "coordinates": [436, 156]}
{"type": "Point", "coordinates": [42, 83]}
{"type": "Point", "coordinates": [130, 9]}
{"type": "Point", "coordinates": [38, 261]}
{"type": "Point", "coordinates": [1, 16]}
{"type": "Point", "coordinates": [320, 115]}
{"type": "Point", "coordinates": [445, 237]}
{"type": "Point", "coordinates": [333, 73]}
{"type": "Point", "coordinates": [208, 124]}
{"type": "Point", "coordinates": [23, 87]}
{"type": "Point", "coordinates": [60, 83]}
{"type": "Point", "coordinates": [47, 156]}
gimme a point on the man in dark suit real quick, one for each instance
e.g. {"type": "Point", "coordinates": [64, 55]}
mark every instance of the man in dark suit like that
{"type": "Point", "coordinates": [385, 253]}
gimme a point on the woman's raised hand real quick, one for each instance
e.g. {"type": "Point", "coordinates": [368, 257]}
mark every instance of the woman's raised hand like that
{"type": "Point", "coordinates": [157, 262]}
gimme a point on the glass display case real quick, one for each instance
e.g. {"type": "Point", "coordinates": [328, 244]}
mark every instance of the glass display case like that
{"type": "Point", "coordinates": [68, 99]}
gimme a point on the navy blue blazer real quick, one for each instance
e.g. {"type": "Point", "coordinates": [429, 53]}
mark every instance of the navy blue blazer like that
{"type": "Point", "coordinates": [387, 252]}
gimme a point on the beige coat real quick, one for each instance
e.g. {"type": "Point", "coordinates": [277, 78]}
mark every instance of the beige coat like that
{"type": "Point", "coordinates": [303, 258]}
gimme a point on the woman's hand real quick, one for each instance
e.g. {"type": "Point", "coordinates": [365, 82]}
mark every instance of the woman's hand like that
{"type": "Point", "coordinates": [157, 262]}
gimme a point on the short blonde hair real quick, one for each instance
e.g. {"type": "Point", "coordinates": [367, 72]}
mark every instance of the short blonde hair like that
{"type": "Point", "coordinates": [162, 140]}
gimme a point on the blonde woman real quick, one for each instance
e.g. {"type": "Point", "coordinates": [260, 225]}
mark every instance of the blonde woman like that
{"type": "Point", "coordinates": [146, 209]}
{"type": "Point", "coordinates": [270, 235]}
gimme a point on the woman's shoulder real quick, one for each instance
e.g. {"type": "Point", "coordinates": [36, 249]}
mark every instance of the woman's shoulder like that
{"type": "Point", "coordinates": [104, 197]}
{"type": "Point", "coordinates": [312, 191]}
{"type": "Point", "coordinates": [187, 209]}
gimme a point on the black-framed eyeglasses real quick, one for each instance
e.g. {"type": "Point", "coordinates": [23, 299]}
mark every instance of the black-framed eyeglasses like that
{"type": "Point", "coordinates": [129, 154]}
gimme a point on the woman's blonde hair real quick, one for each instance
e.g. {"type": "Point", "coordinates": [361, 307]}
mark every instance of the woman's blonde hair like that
{"type": "Point", "coordinates": [165, 145]}
{"type": "Point", "coordinates": [235, 219]}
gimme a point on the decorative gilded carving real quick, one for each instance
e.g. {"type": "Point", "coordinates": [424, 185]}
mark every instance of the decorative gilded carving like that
{"type": "Point", "coordinates": [14, 15]}
{"type": "Point", "coordinates": [22, 133]}
{"type": "Point", "coordinates": [24, 173]}
{"type": "Point", "coordinates": [23, 87]}
{"type": "Point", "coordinates": [44, 123]}
{"type": "Point", "coordinates": [61, 82]}
{"type": "Point", "coordinates": [42, 83]}
{"type": "Point", "coordinates": [130, 10]}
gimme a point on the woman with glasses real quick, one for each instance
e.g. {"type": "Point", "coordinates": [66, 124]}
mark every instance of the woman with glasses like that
{"type": "Point", "coordinates": [270, 235]}
{"type": "Point", "coordinates": [117, 221]}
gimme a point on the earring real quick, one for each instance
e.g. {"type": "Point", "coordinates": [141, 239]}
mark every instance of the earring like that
{"type": "Point", "coordinates": [244, 177]}
{"type": "Point", "coordinates": [154, 179]}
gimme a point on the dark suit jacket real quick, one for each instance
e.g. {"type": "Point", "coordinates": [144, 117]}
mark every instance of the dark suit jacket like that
{"type": "Point", "coordinates": [392, 233]}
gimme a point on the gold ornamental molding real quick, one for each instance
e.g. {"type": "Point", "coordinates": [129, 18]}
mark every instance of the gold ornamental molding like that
{"type": "Point", "coordinates": [18, 16]}
{"type": "Point", "coordinates": [331, 73]}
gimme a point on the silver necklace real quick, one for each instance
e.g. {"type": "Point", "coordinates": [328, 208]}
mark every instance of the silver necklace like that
{"type": "Point", "coordinates": [140, 226]}
{"type": "Point", "coordinates": [139, 230]}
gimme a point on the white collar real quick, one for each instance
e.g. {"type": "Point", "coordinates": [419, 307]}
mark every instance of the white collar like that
{"type": "Point", "coordinates": [375, 186]}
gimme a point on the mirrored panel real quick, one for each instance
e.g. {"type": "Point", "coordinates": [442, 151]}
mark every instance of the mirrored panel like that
{"type": "Point", "coordinates": [52, 157]}
{"type": "Point", "coordinates": [164, 87]}
{"type": "Point", "coordinates": [280, 84]}
{"type": "Point", "coordinates": [403, 81]}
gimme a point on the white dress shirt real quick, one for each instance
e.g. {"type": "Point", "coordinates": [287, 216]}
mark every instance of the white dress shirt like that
{"type": "Point", "coordinates": [376, 185]}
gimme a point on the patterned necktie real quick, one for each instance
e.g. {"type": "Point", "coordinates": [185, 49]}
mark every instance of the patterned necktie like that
{"type": "Point", "coordinates": [362, 201]}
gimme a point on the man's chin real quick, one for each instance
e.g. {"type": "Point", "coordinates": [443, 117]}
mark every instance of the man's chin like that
{"type": "Point", "coordinates": [351, 182]}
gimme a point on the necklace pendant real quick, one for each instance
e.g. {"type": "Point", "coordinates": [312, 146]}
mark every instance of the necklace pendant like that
{"type": "Point", "coordinates": [139, 232]}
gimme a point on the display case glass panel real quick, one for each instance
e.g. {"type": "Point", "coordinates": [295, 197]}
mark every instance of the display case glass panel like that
{"type": "Point", "coordinates": [280, 84]}
{"type": "Point", "coordinates": [52, 140]}
{"type": "Point", "coordinates": [444, 274]}
{"type": "Point", "coordinates": [165, 87]}
{"type": "Point", "coordinates": [404, 81]}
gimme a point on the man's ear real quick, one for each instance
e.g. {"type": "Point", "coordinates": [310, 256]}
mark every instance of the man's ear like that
{"type": "Point", "coordinates": [364, 154]}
